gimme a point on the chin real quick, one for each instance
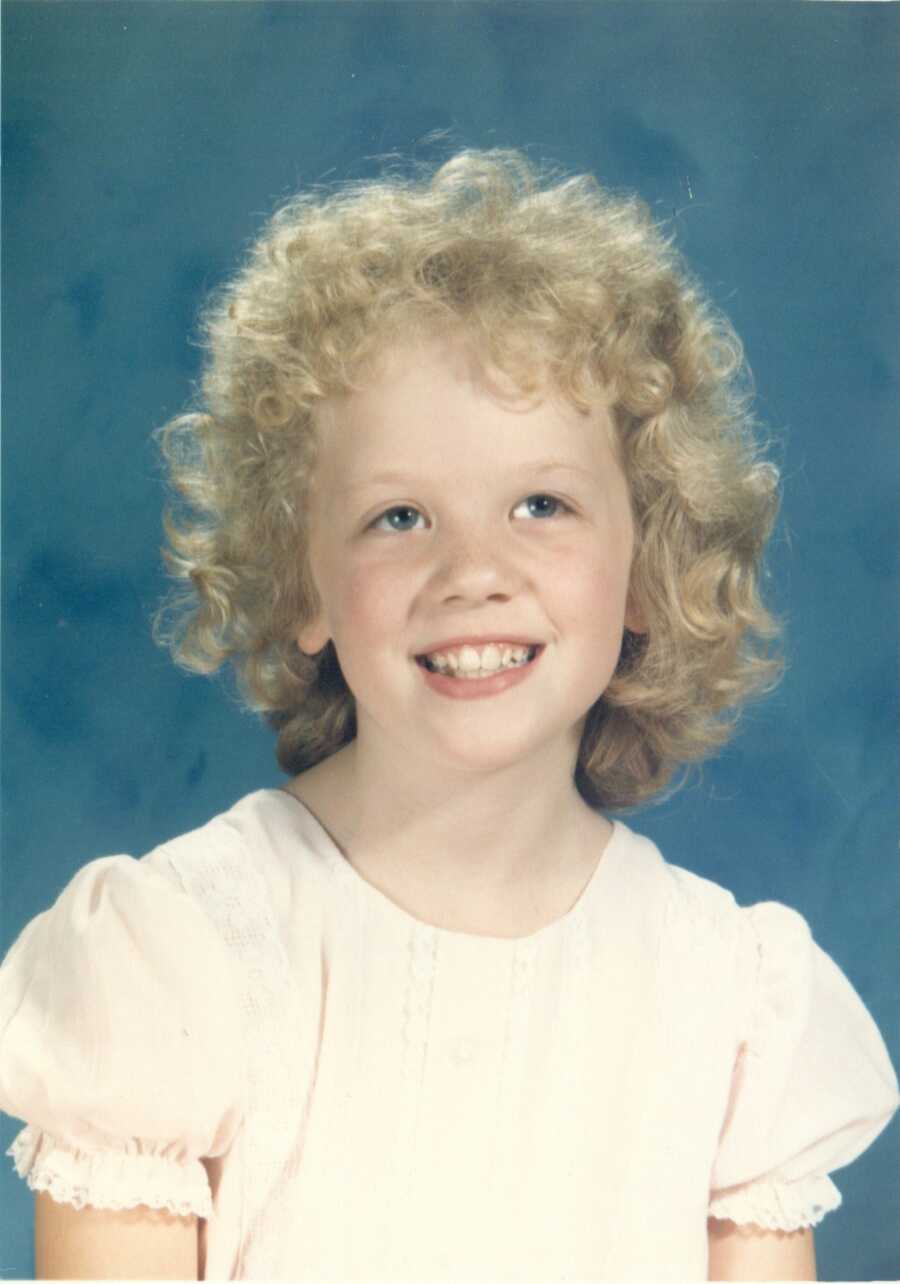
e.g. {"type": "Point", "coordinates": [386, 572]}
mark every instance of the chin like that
{"type": "Point", "coordinates": [488, 755]}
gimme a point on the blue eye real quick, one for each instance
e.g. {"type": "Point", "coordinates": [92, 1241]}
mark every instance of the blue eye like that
{"type": "Point", "coordinates": [400, 518]}
{"type": "Point", "coordinates": [541, 505]}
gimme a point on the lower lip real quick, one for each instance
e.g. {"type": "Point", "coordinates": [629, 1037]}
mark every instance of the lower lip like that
{"type": "Point", "coordinates": [477, 688]}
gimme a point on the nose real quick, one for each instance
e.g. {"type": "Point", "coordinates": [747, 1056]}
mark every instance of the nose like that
{"type": "Point", "coordinates": [475, 565]}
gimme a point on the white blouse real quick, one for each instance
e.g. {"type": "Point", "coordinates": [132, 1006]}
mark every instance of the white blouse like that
{"type": "Point", "coordinates": [240, 1026]}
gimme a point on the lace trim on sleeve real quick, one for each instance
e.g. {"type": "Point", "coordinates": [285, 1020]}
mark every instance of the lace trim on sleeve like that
{"type": "Point", "coordinates": [112, 1179]}
{"type": "Point", "coordinates": [777, 1205]}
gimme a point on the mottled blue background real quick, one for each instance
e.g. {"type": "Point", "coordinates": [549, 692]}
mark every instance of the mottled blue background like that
{"type": "Point", "coordinates": [144, 143]}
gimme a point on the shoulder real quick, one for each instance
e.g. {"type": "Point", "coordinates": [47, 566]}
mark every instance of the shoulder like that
{"type": "Point", "coordinates": [255, 824]}
{"type": "Point", "coordinates": [681, 894]}
{"type": "Point", "coordinates": [261, 872]}
{"type": "Point", "coordinates": [764, 925]}
{"type": "Point", "coordinates": [257, 845]}
{"type": "Point", "coordinates": [698, 928]}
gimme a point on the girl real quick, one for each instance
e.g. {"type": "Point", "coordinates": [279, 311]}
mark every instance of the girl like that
{"type": "Point", "coordinates": [474, 508]}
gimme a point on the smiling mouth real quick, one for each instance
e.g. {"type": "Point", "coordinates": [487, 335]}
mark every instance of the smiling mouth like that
{"type": "Point", "coordinates": [466, 664]}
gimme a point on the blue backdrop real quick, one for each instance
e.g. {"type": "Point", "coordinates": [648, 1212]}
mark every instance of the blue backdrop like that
{"type": "Point", "coordinates": [144, 143]}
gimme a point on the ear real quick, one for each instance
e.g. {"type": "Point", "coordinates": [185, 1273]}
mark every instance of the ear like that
{"type": "Point", "coordinates": [313, 636]}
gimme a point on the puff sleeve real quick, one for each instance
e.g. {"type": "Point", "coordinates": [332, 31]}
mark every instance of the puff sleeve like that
{"type": "Point", "coordinates": [812, 1086]}
{"type": "Point", "coordinates": [121, 1043]}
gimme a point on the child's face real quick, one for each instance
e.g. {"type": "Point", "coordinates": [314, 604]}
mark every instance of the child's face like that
{"type": "Point", "coordinates": [442, 514]}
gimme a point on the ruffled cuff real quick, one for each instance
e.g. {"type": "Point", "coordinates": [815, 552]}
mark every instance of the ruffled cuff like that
{"type": "Point", "coordinates": [113, 1179]}
{"type": "Point", "coordinates": [775, 1204]}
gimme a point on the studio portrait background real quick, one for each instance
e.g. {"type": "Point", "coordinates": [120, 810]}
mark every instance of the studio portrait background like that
{"type": "Point", "coordinates": [144, 144]}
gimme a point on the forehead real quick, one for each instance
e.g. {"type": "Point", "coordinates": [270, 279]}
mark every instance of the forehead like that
{"type": "Point", "coordinates": [434, 396]}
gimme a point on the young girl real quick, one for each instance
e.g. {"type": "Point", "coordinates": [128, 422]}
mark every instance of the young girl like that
{"type": "Point", "coordinates": [475, 509]}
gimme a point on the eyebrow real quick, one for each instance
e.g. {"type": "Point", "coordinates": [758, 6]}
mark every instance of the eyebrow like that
{"type": "Point", "coordinates": [535, 469]}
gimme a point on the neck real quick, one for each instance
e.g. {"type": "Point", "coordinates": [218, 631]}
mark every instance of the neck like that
{"type": "Point", "coordinates": [493, 847]}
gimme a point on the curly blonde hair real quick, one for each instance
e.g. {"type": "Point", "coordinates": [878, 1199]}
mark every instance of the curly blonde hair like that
{"type": "Point", "coordinates": [560, 284]}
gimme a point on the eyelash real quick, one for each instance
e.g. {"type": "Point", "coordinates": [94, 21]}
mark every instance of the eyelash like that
{"type": "Point", "coordinates": [561, 505]}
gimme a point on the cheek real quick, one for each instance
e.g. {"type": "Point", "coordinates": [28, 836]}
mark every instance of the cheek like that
{"type": "Point", "coordinates": [372, 602]}
{"type": "Point", "coordinates": [593, 579]}
{"type": "Point", "coordinates": [589, 606]}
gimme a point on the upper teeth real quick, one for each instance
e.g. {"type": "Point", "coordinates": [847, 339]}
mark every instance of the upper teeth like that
{"type": "Point", "coordinates": [472, 660]}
